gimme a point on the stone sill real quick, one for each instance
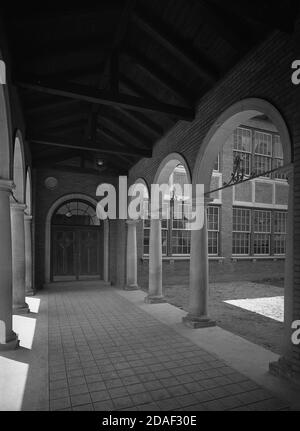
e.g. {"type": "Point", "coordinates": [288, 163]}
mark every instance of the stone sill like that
{"type": "Point", "coordinates": [220, 258]}
{"type": "Point", "coordinates": [254, 258]}
{"type": "Point", "coordinates": [168, 258]}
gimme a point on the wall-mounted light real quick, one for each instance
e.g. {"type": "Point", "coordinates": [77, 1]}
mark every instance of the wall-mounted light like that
{"type": "Point", "coordinates": [100, 162]}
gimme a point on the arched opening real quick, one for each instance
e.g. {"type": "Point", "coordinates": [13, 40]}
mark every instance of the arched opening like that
{"type": "Point", "coordinates": [174, 172]}
{"type": "Point", "coordinates": [28, 193]}
{"type": "Point", "coordinates": [252, 221]}
{"type": "Point", "coordinates": [5, 130]}
{"type": "Point", "coordinates": [174, 232]}
{"type": "Point", "coordinates": [19, 170]}
{"type": "Point", "coordinates": [75, 241]}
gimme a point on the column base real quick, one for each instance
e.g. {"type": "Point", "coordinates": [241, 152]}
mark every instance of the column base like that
{"type": "Point", "coordinates": [198, 322]}
{"type": "Point", "coordinates": [131, 287]}
{"type": "Point", "coordinates": [11, 344]}
{"type": "Point", "coordinates": [24, 308]}
{"type": "Point", "coordinates": [283, 368]}
{"type": "Point", "coordinates": [30, 292]}
{"type": "Point", "coordinates": [154, 299]}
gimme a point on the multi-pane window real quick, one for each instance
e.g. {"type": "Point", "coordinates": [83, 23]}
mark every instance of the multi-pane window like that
{"type": "Point", "coordinates": [280, 219]}
{"type": "Point", "coordinates": [164, 237]}
{"type": "Point", "coordinates": [262, 232]}
{"type": "Point", "coordinates": [213, 228]}
{"type": "Point", "coordinates": [241, 231]}
{"type": "Point", "coordinates": [146, 243]}
{"type": "Point", "coordinates": [242, 147]}
{"type": "Point", "coordinates": [258, 151]}
{"type": "Point", "coordinates": [217, 164]}
{"type": "Point", "coordinates": [258, 232]}
{"type": "Point", "coordinates": [176, 237]}
{"type": "Point", "coordinates": [277, 157]}
{"type": "Point", "coordinates": [262, 153]}
{"type": "Point", "coordinates": [180, 236]}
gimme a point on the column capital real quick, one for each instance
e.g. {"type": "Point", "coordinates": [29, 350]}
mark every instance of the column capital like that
{"type": "Point", "coordinates": [16, 206]}
{"type": "Point", "coordinates": [6, 185]}
{"type": "Point", "coordinates": [133, 221]}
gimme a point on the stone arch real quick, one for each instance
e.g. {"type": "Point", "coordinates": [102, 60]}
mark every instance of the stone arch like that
{"type": "Point", "coordinates": [5, 129]}
{"type": "Point", "coordinates": [224, 126]}
{"type": "Point", "coordinates": [51, 211]}
{"type": "Point", "coordinates": [19, 168]}
{"type": "Point", "coordinates": [28, 192]}
{"type": "Point", "coordinates": [210, 147]}
{"type": "Point", "coordinates": [167, 166]}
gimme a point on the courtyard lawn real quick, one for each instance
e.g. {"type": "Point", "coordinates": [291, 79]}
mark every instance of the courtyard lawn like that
{"type": "Point", "coordinates": [250, 309]}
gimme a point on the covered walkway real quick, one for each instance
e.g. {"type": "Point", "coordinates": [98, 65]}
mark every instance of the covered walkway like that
{"type": "Point", "coordinates": [107, 350]}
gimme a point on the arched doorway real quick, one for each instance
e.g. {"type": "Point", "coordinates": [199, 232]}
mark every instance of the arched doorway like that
{"type": "Point", "coordinates": [76, 242]}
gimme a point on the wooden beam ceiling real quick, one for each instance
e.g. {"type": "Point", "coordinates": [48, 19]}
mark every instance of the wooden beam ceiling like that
{"type": "Point", "coordinates": [195, 60]}
{"type": "Point", "coordinates": [93, 95]}
{"type": "Point", "coordinates": [164, 79]}
{"type": "Point", "coordinates": [141, 121]}
{"type": "Point", "coordinates": [53, 141]}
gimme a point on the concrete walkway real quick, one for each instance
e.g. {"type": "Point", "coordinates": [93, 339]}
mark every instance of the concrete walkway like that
{"type": "Point", "coordinates": [99, 348]}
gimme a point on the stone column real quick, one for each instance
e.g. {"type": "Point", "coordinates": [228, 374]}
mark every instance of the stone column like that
{"type": "Point", "coordinates": [197, 316]}
{"type": "Point", "coordinates": [131, 256]}
{"type": "Point", "coordinates": [28, 255]}
{"type": "Point", "coordinates": [155, 264]}
{"type": "Point", "coordinates": [18, 256]}
{"type": "Point", "coordinates": [8, 339]}
{"type": "Point", "coordinates": [106, 251]}
{"type": "Point", "coordinates": [283, 366]}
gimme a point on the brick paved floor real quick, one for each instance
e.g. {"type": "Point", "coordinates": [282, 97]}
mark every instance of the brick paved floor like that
{"type": "Point", "coordinates": [107, 354]}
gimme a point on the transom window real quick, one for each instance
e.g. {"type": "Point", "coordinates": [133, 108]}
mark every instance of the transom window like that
{"type": "Point", "coordinates": [76, 213]}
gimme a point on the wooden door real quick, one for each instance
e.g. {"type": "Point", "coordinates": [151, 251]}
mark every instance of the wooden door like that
{"type": "Point", "coordinates": [88, 253]}
{"type": "Point", "coordinates": [63, 253]}
{"type": "Point", "coordinates": [75, 253]}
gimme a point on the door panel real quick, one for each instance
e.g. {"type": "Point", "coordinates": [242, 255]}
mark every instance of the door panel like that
{"type": "Point", "coordinates": [64, 253]}
{"type": "Point", "coordinates": [88, 243]}
{"type": "Point", "coordinates": [75, 253]}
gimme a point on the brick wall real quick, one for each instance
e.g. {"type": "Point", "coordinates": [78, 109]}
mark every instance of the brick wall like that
{"type": "Point", "coordinates": [296, 140]}
{"type": "Point", "coordinates": [264, 73]}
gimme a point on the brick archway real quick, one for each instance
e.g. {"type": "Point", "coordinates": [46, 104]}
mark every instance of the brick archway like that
{"type": "Point", "coordinates": [213, 142]}
{"type": "Point", "coordinates": [167, 166]}
{"type": "Point", "coordinates": [19, 175]}
{"type": "Point", "coordinates": [224, 126]}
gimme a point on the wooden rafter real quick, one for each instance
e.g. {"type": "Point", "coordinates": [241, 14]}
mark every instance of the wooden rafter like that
{"type": "Point", "coordinates": [99, 147]}
{"type": "Point", "coordinates": [196, 61]}
{"type": "Point", "coordinates": [93, 95]}
{"type": "Point", "coordinates": [156, 72]}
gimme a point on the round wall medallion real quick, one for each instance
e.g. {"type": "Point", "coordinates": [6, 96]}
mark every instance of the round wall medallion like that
{"type": "Point", "coordinates": [51, 183]}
